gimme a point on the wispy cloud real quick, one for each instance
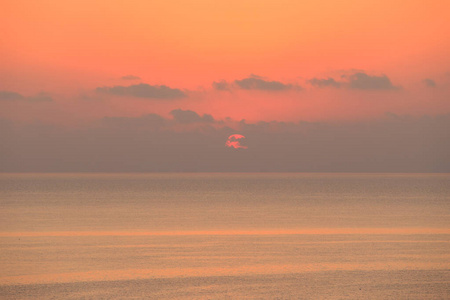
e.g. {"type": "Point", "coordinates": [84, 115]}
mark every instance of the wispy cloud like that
{"type": "Point", "coordinates": [355, 80]}
{"type": "Point", "coordinates": [189, 116]}
{"type": "Point", "coordinates": [41, 97]}
{"type": "Point", "coordinates": [130, 77]}
{"type": "Point", "coordinates": [362, 81]}
{"type": "Point", "coordinates": [324, 82]}
{"type": "Point", "coordinates": [429, 82]}
{"type": "Point", "coordinates": [254, 82]}
{"type": "Point", "coordinates": [12, 96]}
{"type": "Point", "coordinates": [221, 85]}
{"type": "Point", "coordinates": [143, 90]}
{"type": "Point", "coordinates": [8, 95]}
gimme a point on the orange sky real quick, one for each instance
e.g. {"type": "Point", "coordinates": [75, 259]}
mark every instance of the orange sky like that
{"type": "Point", "coordinates": [68, 48]}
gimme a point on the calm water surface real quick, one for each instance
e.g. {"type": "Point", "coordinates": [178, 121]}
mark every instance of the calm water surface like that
{"type": "Point", "coordinates": [184, 236]}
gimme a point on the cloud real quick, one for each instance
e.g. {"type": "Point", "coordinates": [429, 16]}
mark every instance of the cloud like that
{"type": "Point", "coordinates": [256, 76]}
{"type": "Point", "coordinates": [130, 77]}
{"type": "Point", "coordinates": [362, 81]}
{"type": "Point", "coordinates": [324, 82]}
{"type": "Point", "coordinates": [151, 121]}
{"type": "Point", "coordinates": [221, 85]}
{"type": "Point", "coordinates": [7, 95]}
{"type": "Point", "coordinates": [189, 116]}
{"type": "Point", "coordinates": [256, 83]}
{"type": "Point", "coordinates": [143, 90]}
{"type": "Point", "coordinates": [41, 97]}
{"type": "Point", "coordinates": [429, 82]}
{"type": "Point", "coordinates": [356, 80]}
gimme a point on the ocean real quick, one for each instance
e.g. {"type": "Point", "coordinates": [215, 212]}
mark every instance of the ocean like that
{"type": "Point", "coordinates": [225, 236]}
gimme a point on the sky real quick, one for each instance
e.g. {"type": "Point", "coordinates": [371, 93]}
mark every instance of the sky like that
{"type": "Point", "coordinates": [162, 86]}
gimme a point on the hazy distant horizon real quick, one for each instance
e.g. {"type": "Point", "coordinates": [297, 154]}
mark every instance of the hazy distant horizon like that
{"type": "Point", "coordinates": [228, 172]}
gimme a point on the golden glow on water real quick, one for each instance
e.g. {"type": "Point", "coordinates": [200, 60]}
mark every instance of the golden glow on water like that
{"type": "Point", "coordinates": [133, 274]}
{"type": "Point", "coordinates": [235, 232]}
{"type": "Point", "coordinates": [229, 236]}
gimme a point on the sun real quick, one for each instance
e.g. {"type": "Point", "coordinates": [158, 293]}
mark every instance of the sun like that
{"type": "Point", "coordinates": [234, 141]}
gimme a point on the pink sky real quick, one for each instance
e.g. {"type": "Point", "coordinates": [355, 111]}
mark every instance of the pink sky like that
{"type": "Point", "coordinates": [68, 49]}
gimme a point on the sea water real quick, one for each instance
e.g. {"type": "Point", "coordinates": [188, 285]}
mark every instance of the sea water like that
{"type": "Point", "coordinates": [215, 236]}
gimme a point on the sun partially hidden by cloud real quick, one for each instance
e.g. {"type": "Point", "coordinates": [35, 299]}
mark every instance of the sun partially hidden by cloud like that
{"type": "Point", "coordinates": [234, 141]}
